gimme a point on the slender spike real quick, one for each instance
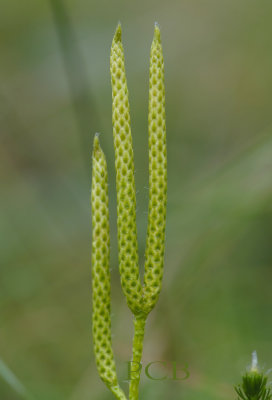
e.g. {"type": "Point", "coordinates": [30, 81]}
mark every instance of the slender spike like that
{"type": "Point", "coordinates": [155, 242]}
{"type": "Point", "coordinates": [101, 323]}
{"type": "Point", "coordinates": [125, 184]}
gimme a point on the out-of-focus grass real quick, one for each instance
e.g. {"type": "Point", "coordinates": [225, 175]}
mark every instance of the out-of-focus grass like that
{"type": "Point", "coordinates": [216, 300]}
{"type": "Point", "coordinates": [8, 376]}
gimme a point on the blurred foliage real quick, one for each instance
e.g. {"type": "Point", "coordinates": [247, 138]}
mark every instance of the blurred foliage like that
{"type": "Point", "coordinates": [216, 301]}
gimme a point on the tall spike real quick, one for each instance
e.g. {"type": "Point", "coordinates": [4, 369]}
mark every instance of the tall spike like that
{"type": "Point", "coordinates": [125, 183]}
{"type": "Point", "coordinates": [101, 322]}
{"type": "Point", "coordinates": [155, 242]}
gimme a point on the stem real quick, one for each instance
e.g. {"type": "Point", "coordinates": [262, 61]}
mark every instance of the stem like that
{"type": "Point", "coordinates": [139, 327]}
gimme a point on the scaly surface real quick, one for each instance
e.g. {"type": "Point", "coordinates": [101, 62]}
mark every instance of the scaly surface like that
{"type": "Point", "coordinates": [155, 242]}
{"type": "Point", "coordinates": [125, 183]}
{"type": "Point", "coordinates": [101, 274]}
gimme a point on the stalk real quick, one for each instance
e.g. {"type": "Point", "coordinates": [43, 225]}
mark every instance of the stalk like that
{"type": "Point", "coordinates": [137, 350]}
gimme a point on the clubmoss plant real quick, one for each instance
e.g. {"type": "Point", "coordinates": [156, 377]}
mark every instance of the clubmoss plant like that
{"type": "Point", "coordinates": [140, 298]}
{"type": "Point", "coordinates": [254, 383]}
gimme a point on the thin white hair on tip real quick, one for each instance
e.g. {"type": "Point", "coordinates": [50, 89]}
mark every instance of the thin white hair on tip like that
{"type": "Point", "coordinates": [254, 362]}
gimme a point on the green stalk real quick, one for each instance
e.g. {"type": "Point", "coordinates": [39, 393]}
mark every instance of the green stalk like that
{"type": "Point", "coordinates": [137, 350]}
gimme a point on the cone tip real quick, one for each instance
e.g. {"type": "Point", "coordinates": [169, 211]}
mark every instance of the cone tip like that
{"type": "Point", "coordinates": [157, 33]}
{"type": "Point", "coordinates": [118, 33]}
{"type": "Point", "coordinates": [96, 144]}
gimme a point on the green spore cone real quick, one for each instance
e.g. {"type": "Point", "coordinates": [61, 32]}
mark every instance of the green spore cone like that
{"type": "Point", "coordinates": [101, 290]}
{"type": "Point", "coordinates": [125, 183]}
{"type": "Point", "coordinates": [155, 241]}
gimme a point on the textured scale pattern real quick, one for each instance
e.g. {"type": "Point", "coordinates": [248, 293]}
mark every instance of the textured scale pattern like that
{"type": "Point", "coordinates": [125, 183]}
{"type": "Point", "coordinates": [155, 242]}
{"type": "Point", "coordinates": [140, 299]}
{"type": "Point", "coordinates": [101, 323]}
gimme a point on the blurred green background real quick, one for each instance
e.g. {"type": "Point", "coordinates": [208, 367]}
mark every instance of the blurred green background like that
{"type": "Point", "coordinates": [215, 306]}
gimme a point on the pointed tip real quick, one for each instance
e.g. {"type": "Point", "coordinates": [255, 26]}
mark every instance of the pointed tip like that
{"type": "Point", "coordinates": [157, 33]}
{"type": "Point", "coordinates": [96, 139]}
{"type": "Point", "coordinates": [96, 144]}
{"type": "Point", "coordinates": [118, 33]}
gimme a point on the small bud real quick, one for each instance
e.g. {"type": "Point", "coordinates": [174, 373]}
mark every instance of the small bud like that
{"type": "Point", "coordinates": [254, 383]}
